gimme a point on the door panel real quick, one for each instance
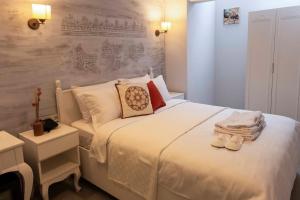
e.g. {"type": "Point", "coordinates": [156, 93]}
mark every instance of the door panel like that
{"type": "Point", "coordinates": [285, 99]}
{"type": "Point", "coordinates": [260, 60]}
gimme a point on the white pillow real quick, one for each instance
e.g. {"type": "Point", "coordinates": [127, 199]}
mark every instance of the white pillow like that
{"type": "Point", "coordinates": [78, 91]}
{"type": "Point", "coordinates": [142, 79]}
{"type": "Point", "coordinates": [162, 87]}
{"type": "Point", "coordinates": [83, 109]}
{"type": "Point", "coordinates": [103, 105]}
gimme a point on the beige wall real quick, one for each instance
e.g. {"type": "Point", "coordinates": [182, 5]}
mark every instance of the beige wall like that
{"type": "Point", "coordinates": [176, 45]}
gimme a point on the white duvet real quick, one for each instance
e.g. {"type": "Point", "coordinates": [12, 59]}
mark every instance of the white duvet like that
{"type": "Point", "coordinates": [172, 148]}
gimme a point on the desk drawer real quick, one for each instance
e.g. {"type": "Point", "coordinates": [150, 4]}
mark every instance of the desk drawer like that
{"type": "Point", "coordinates": [57, 146]}
{"type": "Point", "coordinates": [8, 159]}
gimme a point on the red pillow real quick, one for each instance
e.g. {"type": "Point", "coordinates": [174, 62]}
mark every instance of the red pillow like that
{"type": "Point", "coordinates": [157, 100]}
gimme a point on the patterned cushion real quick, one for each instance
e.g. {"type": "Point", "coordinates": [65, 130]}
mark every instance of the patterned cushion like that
{"type": "Point", "coordinates": [135, 99]}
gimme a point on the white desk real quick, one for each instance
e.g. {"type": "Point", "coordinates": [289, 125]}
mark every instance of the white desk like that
{"type": "Point", "coordinates": [11, 156]}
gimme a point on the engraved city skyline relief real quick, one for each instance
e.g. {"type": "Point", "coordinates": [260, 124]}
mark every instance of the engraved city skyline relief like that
{"type": "Point", "coordinates": [84, 61]}
{"type": "Point", "coordinates": [103, 26]}
{"type": "Point", "coordinates": [118, 54]}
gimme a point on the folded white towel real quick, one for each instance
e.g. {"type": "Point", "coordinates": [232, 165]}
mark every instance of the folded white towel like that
{"type": "Point", "coordinates": [247, 131]}
{"type": "Point", "coordinates": [242, 120]}
{"type": "Point", "coordinates": [248, 136]}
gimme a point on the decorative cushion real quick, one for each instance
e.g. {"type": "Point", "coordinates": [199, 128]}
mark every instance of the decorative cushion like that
{"type": "Point", "coordinates": [135, 99]}
{"type": "Point", "coordinates": [157, 100]}
{"type": "Point", "coordinates": [162, 87]}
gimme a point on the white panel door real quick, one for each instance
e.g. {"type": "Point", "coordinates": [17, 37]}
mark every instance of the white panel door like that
{"type": "Point", "coordinates": [285, 99]}
{"type": "Point", "coordinates": [260, 60]}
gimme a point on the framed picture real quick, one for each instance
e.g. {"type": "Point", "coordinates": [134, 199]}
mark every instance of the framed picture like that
{"type": "Point", "coordinates": [232, 16]}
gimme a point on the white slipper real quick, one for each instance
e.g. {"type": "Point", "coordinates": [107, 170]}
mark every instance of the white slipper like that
{"type": "Point", "coordinates": [235, 143]}
{"type": "Point", "coordinates": [220, 140]}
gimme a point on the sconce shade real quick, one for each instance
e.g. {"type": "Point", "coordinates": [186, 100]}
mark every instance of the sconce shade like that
{"type": "Point", "coordinates": [41, 12]}
{"type": "Point", "coordinates": [166, 26]}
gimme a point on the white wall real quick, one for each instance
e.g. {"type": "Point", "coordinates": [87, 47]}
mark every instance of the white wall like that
{"type": "Point", "coordinates": [201, 52]}
{"type": "Point", "coordinates": [231, 49]}
{"type": "Point", "coordinates": [176, 45]}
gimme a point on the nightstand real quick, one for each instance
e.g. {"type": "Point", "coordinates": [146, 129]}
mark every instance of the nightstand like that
{"type": "Point", "coordinates": [53, 156]}
{"type": "Point", "coordinates": [11, 156]}
{"type": "Point", "coordinates": [177, 95]}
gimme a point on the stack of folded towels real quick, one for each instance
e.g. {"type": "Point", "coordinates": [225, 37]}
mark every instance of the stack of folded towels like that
{"type": "Point", "coordinates": [246, 124]}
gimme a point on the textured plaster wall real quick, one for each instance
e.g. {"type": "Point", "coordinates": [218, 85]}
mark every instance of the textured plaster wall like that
{"type": "Point", "coordinates": [85, 42]}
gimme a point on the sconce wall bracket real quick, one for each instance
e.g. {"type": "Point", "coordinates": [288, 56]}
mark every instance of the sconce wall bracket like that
{"type": "Point", "coordinates": [34, 24]}
{"type": "Point", "coordinates": [158, 32]}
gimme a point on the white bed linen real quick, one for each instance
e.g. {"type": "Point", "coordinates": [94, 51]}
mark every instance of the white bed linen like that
{"type": "Point", "coordinates": [86, 132]}
{"type": "Point", "coordinates": [98, 149]}
{"type": "Point", "coordinates": [158, 130]}
{"type": "Point", "coordinates": [189, 167]}
{"type": "Point", "coordinates": [134, 150]}
{"type": "Point", "coordinates": [262, 170]}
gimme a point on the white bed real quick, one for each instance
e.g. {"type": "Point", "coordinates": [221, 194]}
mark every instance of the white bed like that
{"type": "Point", "coordinates": [93, 171]}
{"type": "Point", "coordinates": [179, 163]}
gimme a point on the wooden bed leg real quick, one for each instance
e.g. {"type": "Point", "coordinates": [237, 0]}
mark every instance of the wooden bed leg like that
{"type": "Point", "coordinates": [44, 191]}
{"type": "Point", "coordinates": [76, 180]}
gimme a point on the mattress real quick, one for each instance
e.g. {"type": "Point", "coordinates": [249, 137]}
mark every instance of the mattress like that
{"type": "Point", "coordinates": [86, 133]}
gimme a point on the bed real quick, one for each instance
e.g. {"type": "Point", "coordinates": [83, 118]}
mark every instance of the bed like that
{"type": "Point", "coordinates": [168, 155]}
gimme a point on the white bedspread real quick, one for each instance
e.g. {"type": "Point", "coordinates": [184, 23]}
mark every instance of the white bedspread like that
{"type": "Point", "coordinates": [262, 170]}
{"type": "Point", "coordinates": [134, 150]}
{"type": "Point", "coordinates": [98, 149]}
{"type": "Point", "coordinates": [173, 148]}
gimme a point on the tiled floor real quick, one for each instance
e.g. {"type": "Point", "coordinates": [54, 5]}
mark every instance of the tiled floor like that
{"type": "Point", "coordinates": [65, 191]}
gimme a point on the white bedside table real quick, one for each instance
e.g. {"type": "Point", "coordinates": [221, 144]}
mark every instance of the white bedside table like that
{"type": "Point", "coordinates": [177, 95]}
{"type": "Point", "coordinates": [53, 156]}
{"type": "Point", "coordinates": [11, 156]}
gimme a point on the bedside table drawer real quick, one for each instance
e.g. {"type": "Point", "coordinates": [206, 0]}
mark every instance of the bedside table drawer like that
{"type": "Point", "coordinates": [57, 146]}
{"type": "Point", "coordinates": [10, 159]}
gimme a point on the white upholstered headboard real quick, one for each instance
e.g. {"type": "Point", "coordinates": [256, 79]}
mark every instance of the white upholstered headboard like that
{"type": "Point", "coordinates": [67, 107]}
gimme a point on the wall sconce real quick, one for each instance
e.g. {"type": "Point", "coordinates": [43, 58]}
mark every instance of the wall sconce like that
{"type": "Point", "coordinates": [165, 27]}
{"type": "Point", "coordinates": [40, 13]}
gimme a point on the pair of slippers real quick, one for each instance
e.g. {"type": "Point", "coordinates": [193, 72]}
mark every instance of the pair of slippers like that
{"type": "Point", "coordinates": [233, 143]}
